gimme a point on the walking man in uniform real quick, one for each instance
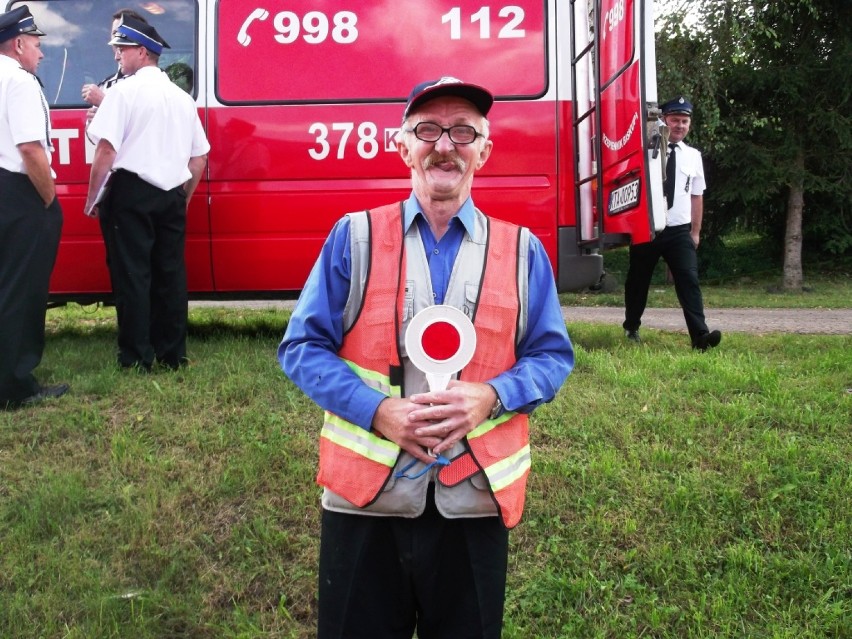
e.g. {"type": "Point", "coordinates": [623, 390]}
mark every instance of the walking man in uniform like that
{"type": "Point", "coordinates": [30, 215]}
{"type": "Point", "coordinates": [152, 147]}
{"type": "Point", "coordinates": [678, 241]}
{"type": "Point", "coordinates": [421, 486]}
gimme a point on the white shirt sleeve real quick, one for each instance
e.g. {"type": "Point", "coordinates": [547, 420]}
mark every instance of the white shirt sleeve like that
{"type": "Point", "coordinates": [27, 118]}
{"type": "Point", "coordinates": [200, 144]}
{"type": "Point", "coordinates": [697, 185]}
{"type": "Point", "coordinates": [110, 120]}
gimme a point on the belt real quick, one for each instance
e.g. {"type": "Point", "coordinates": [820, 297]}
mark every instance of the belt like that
{"type": "Point", "coordinates": [679, 227]}
{"type": "Point", "coordinates": [136, 176]}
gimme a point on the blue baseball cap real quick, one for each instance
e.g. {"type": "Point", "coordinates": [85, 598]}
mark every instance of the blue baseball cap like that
{"type": "Point", "coordinates": [431, 89]}
{"type": "Point", "coordinates": [134, 33]}
{"type": "Point", "coordinates": [17, 22]}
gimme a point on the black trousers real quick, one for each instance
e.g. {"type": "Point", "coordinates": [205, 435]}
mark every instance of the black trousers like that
{"type": "Point", "coordinates": [674, 244]}
{"type": "Point", "coordinates": [144, 231]}
{"type": "Point", "coordinates": [29, 240]}
{"type": "Point", "coordinates": [382, 577]}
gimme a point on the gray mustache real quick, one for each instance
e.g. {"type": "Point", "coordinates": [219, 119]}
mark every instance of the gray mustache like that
{"type": "Point", "coordinates": [437, 159]}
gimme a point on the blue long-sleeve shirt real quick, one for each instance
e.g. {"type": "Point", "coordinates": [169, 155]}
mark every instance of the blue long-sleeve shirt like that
{"type": "Point", "coordinates": [308, 352]}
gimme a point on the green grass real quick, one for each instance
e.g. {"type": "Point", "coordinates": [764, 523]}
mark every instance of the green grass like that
{"type": "Point", "coordinates": [674, 494]}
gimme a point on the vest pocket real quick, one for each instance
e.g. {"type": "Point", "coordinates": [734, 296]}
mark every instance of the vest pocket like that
{"type": "Point", "coordinates": [479, 481]}
{"type": "Point", "coordinates": [391, 481]}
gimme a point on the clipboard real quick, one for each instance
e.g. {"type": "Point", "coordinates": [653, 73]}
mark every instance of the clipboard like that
{"type": "Point", "coordinates": [102, 192]}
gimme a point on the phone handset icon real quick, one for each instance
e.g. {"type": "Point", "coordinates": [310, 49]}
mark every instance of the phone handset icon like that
{"type": "Point", "coordinates": [258, 14]}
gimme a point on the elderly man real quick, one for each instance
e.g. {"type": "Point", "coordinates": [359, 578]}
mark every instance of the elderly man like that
{"type": "Point", "coordinates": [420, 486]}
{"type": "Point", "coordinates": [152, 147]}
{"type": "Point", "coordinates": [30, 215]}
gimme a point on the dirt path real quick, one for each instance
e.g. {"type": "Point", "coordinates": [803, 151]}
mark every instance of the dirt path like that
{"type": "Point", "coordinates": [731, 320]}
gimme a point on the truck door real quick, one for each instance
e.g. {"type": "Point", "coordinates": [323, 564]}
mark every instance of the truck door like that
{"type": "Point", "coordinates": [621, 188]}
{"type": "Point", "coordinates": [626, 73]}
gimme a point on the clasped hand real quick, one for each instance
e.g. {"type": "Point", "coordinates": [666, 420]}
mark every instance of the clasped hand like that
{"type": "Point", "coordinates": [434, 421]}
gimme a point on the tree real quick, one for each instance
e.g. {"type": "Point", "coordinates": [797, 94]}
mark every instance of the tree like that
{"type": "Point", "coordinates": [776, 103]}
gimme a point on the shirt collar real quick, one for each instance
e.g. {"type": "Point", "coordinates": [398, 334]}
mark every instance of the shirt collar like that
{"type": "Point", "coordinates": [148, 69]}
{"type": "Point", "coordinates": [10, 61]}
{"type": "Point", "coordinates": [465, 214]}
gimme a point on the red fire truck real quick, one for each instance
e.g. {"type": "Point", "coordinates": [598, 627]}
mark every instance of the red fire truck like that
{"type": "Point", "coordinates": [302, 102]}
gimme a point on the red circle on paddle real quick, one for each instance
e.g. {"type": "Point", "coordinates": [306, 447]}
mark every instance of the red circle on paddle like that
{"type": "Point", "coordinates": [440, 340]}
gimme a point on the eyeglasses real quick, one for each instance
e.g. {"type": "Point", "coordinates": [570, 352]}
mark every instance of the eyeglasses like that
{"type": "Point", "coordinates": [431, 132]}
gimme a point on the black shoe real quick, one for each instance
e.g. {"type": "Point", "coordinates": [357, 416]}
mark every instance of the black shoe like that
{"type": "Point", "coordinates": [46, 392]}
{"type": "Point", "coordinates": [138, 367]}
{"type": "Point", "coordinates": [172, 365]}
{"type": "Point", "coordinates": [707, 340]}
{"type": "Point", "coordinates": [633, 336]}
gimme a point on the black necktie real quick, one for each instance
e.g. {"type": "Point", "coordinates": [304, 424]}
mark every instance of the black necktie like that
{"type": "Point", "coordinates": [670, 173]}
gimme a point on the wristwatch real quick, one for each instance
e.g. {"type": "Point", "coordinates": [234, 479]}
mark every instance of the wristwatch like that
{"type": "Point", "coordinates": [497, 409]}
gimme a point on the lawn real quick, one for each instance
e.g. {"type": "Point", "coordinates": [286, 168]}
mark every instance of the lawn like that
{"type": "Point", "coordinates": [674, 494]}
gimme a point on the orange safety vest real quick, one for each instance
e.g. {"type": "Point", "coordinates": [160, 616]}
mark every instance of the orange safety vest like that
{"type": "Point", "coordinates": [357, 464]}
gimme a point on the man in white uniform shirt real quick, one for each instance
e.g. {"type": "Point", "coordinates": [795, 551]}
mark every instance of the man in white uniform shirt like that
{"type": "Point", "coordinates": [152, 147]}
{"type": "Point", "coordinates": [30, 215]}
{"type": "Point", "coordinates": [678, 241]}
{"type": "Point", "coordinates": [94, 93]}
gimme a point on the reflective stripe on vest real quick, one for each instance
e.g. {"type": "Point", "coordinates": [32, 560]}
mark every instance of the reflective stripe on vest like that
{"type": "Point", "coordinates": [354, 438]}
{"type": "Point", "coordinates": [360, 441]}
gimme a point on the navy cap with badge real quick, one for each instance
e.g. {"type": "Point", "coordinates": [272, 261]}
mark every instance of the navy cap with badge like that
{"type": "Point", "coordinates": [134, 33]}
{"type": "Point", "coordinates": [678, 105]}
{"type": "Point", "coordinates": [18, 22]}
{"type": "Point", "coordinates": [448, 86]}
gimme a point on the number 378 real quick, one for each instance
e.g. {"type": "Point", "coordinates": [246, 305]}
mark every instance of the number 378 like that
{"type": "Point", "coordinates": [367, 147]}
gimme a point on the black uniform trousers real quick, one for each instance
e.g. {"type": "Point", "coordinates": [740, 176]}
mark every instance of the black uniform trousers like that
{"type": "Point", "coordinates": [385, 576]}
{"type": "Point", "coordinates": [144, 231]}
{"type": "Point", "coordinates": [674, 244]}
{"type": "Point", "coordinates": [29, 240]}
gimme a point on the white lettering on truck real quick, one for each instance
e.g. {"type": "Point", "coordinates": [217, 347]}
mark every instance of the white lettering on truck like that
{"type": "Point", "coordinates": [314, 27]}
{"type": "Point", "coordinates": [367, 146]}
{"type": "Point", "coordinates": [483, 17]}
{"type": "Point", "coordinates": [63, 146]}
{"type": "Point", "coordinates": [615, 145]}
{"type": "Point", "coordinates": [613, 17]}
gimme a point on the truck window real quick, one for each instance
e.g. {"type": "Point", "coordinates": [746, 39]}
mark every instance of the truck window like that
{"type": "Point", "coordinates": [337, 51]}
{"type": "Point", "coordinates": [76, 51]}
